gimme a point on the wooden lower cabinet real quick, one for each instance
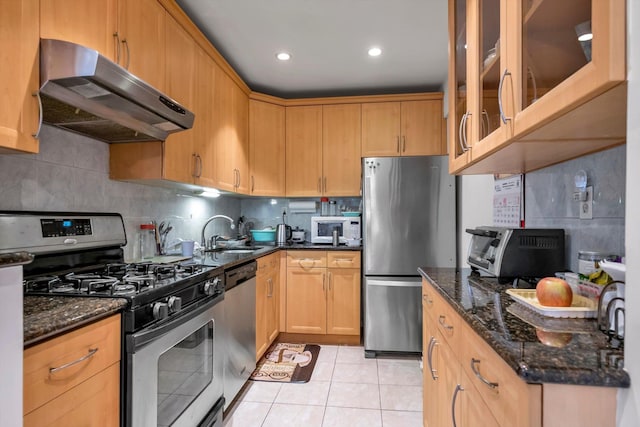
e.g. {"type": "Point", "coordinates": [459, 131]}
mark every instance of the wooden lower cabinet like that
{"type": "Point", "coordinates": [463, 377]}
{"type": "Point", "coordinates": [59, 392]}
{"type": "Point", "coordinates": [320, 299]}
{"type": "Point", "coordinates": [267, 302]}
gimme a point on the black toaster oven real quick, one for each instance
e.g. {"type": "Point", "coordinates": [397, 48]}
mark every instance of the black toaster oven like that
{"type": "Point", "coordinates": [509, 253]}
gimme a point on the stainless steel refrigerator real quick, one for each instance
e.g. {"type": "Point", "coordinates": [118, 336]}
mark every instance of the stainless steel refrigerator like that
{"type": "Point", "coordinates": [409, 222]}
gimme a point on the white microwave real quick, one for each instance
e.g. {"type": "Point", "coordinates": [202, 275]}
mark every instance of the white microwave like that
{"type": "Point", "coordinates": [322, 228]}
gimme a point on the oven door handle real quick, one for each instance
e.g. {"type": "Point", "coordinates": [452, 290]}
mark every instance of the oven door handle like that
{"type": "Point", "coordinates": [140, 339]}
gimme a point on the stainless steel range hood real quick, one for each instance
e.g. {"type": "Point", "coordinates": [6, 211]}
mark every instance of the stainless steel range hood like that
{"type": "Point", "coordinates": [84, 92]}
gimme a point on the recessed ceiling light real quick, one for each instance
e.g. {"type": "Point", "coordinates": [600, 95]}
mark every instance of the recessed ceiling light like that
{"type": "Point", "coordinates": [375, 51]}
{"type": "Point", "coordinates": [283, 56]}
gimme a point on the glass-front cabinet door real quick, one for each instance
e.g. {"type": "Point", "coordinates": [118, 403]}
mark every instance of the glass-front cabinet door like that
{"type": "Point", "coordinates": [459, 154]}
{"type": "Point", "coordinates": [570, 53]}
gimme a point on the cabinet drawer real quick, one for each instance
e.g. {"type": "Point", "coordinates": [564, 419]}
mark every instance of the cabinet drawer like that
{"type": "Point", "coordinates": [307, 259]}
{"type": "Point", "coordinates": [506, 395]}
{"type": "Point", "coordinates": [447, 321]}
{"type": "Point", "coordinates": [93, 403]}
{"type": "Point", "coordinates": [343, 259]}
{"type": "Point", "coordinates": [93, 347]}
{"type": "Point", "coordinates": [267, 264]}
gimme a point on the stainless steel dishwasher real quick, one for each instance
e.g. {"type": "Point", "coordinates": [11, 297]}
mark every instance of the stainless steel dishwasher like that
{"type": "Point", "coordinates": [240, 322]}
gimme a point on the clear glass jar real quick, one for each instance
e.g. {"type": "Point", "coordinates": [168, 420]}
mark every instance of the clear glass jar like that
{"type": "Point", "coordinates": [147, 241]}
{"type": "Point", "coordinates": [324, 206]}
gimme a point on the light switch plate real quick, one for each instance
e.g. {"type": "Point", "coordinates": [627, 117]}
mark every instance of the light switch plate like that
{"type": "Point", "coordinates": [586, 207]}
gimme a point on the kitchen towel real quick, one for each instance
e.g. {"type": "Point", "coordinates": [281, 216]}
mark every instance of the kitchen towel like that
{"type": "Point", "coordinates": [287, 363]}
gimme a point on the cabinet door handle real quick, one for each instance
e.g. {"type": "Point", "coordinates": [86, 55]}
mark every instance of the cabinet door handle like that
{"type": "Point", "coordinates": [485, 123]}
{"type": "Point", "coordinates": [432, 344]}
{"type": "Point", "coordinates": [428, 300]}
{"type": "Point", "coordinates": [239, 178]}
{"type": "Point", "coordinates": [404, 143]}
{"type": "Point", "coordinates": [397, 144]}
{"type": "Point", "coordinates": [504, 118]}
{"type": "Point", "coordinates": [253, 183]}
{"type": "Point", "coordinates": [462, 132]}
{"type": "Point", "coordinates": [124, 42]}
{"type": "Point", "coordinates": [117, 37]}
{"type": "Point", "coordinates": [41, 115]}
{"type": "Point", "coordinates": [194, 156]}
{"type": "Point", "coordinates": [90, 354]}
{"type": "Point", "coordinates": [453, 404]}
{"type": "Point", "coordinates": [329, 280]}
{"type": "Point", "coordinates": [477, 373]}
{"type": "Point", "coordinates": [444, 324]}
{"type": "Point", "coordinates": [199, 166]}
{"type": "Point", "coordinates": [324, 282]}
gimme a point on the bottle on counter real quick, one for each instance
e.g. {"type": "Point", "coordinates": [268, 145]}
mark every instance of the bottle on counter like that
{"type": "Point", "coordinates": [333, 208]}
{"type": "Point", "coordinates": [324, 206]}
{"type": "Point", "coordinates": [335, 237]}
{"type": "Point", "coordinates": [147, 241]}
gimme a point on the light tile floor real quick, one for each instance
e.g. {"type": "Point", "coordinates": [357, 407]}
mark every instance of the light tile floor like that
{"type": "Point", "coordinates": [346, 390]}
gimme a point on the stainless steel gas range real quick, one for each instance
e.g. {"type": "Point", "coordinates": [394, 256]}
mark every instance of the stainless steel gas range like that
{"type": "Point", "coordinates": [173, 356]}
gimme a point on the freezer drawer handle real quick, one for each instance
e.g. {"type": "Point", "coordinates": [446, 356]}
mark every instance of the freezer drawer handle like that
{"type": "Point", "coordinates": [90, 354]}
{"type": "Point", "coordinates": [444, 324]}
{"type": "Point", "coordinates": [477, 373]}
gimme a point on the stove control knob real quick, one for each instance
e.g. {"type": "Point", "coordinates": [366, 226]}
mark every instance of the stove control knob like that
{"type": "Point", "coordinates": [160, 310]}
{"type": "Point", "coordinates": [210, 286]}
{"type": "Point", "coordinates": [175, 304]}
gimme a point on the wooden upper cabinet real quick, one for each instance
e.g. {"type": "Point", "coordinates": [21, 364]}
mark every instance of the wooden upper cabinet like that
{"type": "Point", "coordinates": [529, 82]}
{"type": "Point", "coordinates": [204, 142]}
{"type": "Point", "coordinates": [406, 128]}
{"type": "Point", "coordinates": [421, 128]}
{"type": "Point", "coordinates": [141, 33]}
{"type": "Point", "coordinates": [266, 148]}
{"type": "Point", "coordinates": [341, 127]}
{"type": "Point", "coordinates": [231, 130]}
{"type": "Point", "coordinates": [381, 129]}
{"type": "Point", "coordinates": [304, 150]}
{"type": "Point", "coordinates": [240, 120]}
{"type": "Point", "coordinates": [19, 41]}
{"type": "Point", "coordinates": [93, 24]}
{"type": "Point", "coordinates": [181, 56]}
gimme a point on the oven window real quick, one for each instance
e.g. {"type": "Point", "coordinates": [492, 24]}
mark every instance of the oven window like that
{"type": "Point", "coordinates": [184, 371]}
{"type": "Point", "coordinates": [325, 229]}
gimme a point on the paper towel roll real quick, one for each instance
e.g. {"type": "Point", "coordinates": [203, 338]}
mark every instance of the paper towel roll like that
{"type": "Point", "coordinates": [306, 206]}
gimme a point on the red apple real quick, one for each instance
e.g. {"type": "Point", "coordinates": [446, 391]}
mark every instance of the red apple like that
{"type": "Point", "coordinates": [554, 292]}
{"type": "Point", "coordinates": [553, 339]}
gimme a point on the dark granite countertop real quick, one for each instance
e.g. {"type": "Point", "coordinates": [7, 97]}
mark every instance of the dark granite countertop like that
{"type": "Point", "coordinates": [45, 317]}
{"type": "Point", "coordinates": [512, 331]}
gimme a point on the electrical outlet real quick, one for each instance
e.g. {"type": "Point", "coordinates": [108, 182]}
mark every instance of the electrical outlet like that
{"type": "Point", "coordinates": [586, 207]}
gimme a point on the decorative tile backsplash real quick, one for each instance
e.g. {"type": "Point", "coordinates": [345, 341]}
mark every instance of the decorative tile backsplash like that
{"type": "Point", "coordinates": [71, 173]}
{"type": "Point", "coordinates": [549, 203]}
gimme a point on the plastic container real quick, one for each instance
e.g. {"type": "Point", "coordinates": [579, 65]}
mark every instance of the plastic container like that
{"type": "Point", "coordinates": [335, 238]}
{"type": "Point", "coordinates": [147, 241]}
{"type": "Point", "coordinates": [263, 235]}
{"type": "Point", "coordinates": [589, 261]}
{"type": "Point", "coordinates": [324, 206]}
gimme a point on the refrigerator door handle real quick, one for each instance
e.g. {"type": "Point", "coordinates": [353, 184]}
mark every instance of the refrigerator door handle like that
{"type": "Point", "coordinates": [394, 283]}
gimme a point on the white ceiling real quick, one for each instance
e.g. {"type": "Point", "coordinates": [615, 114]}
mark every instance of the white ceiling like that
{"type": "Point", "coordinates": [328, 41]}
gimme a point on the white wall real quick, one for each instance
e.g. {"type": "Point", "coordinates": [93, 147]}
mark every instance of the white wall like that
{"type": "Point", "coordinates": [629, 399]}
{"type": "Point", "coordinates": [475, 207]}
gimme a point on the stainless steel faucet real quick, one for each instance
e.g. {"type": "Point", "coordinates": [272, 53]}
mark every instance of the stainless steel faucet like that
{"type": "Point", "coordinates": [202, 238]}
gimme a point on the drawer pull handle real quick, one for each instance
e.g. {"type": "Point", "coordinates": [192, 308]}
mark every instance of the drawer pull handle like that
{"type": "Point", "coordinates": [306, 263]}
{"type": "Point", "coordinates": [92, 352]}
{"type": "Point", "coordinates": [453, 404]}
{"type": "Point", "coordinates": [443, 324]}
{"type": "Point", "coordinates": [477, 373]}
{"type": "Point", "coordinates": [432, 343]}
